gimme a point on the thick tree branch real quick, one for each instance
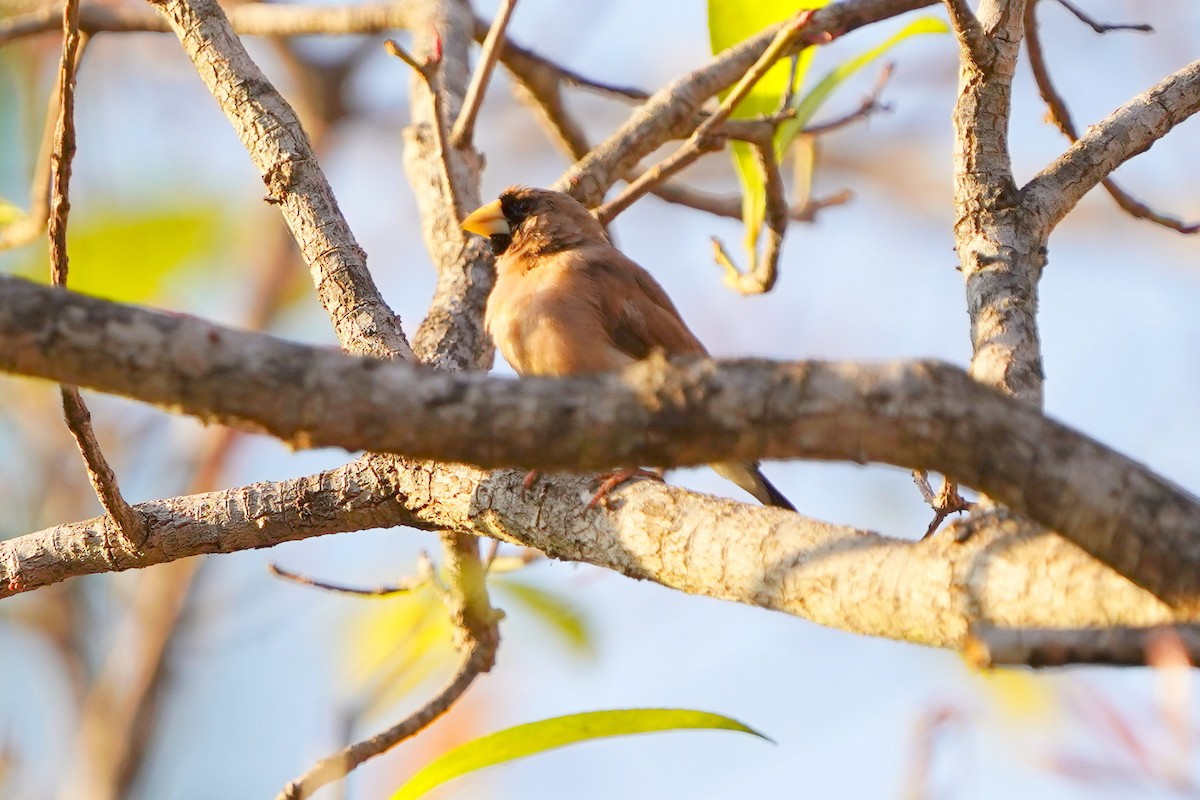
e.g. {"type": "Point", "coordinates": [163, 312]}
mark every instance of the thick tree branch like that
{"type": "Point", "coordinates": [1131, 129]}
{"type": "Point", "coordinates": [1001, 261]}
{"type": "Point", "coordinates": [919, 415]}
{"type": "Point", "coordinates": [1006, 574]}
{"type": "Point", "coordinates": [279, 148]}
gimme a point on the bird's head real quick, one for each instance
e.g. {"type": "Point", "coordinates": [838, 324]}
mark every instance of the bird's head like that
{"type": "Point", "coordinates": [525, 221]}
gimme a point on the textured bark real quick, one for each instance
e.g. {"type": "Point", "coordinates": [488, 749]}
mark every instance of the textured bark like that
{"type": "Point", "coordinates": [446, 185]}
{"type": "Point", "coordinates": [1128, 131]}
{"type": "Point", "coordinates": [279, 148]}
{"type": "Point", "coordinates": [1001, 256]}
{"type": "Point", "coordinates": [1007, 574]}
{"type": "Point", "coordinates": [918, 415]}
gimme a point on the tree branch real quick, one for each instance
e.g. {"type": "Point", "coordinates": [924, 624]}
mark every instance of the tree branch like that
{"type": "Point", "coordinates": [248, 19]}
{"type": "Point", "coordinates": [1000, 257]}
{"type": "Point", "coordinates": [705, 139]}
{"type": "Point", "coordinates": [1007, 573]}
{"type": "Point", "coordinates": [1131, 129]}
{"type": "Point", "coordinates": [917, 415]}
{"type": "Point", "coordinates": [977, 49]}
{"type": "Point", "coordinates": [279, 148]}
{"type": "Point", "coordinates": [75, 412]}
{"type": "Point", "coordinates": [991, 646]}
{"type": "Point", "coordinates": [1061, 117]}
{"type": "Point", "coordinates": [464, 126]}
{"type": "Point", "coordinates": [477, 660]}
{"type": "Point", "coordinates": [671, 113]}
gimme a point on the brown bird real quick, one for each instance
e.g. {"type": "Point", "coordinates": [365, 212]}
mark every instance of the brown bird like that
{"type": "Point", "coordinates": [567, 302]}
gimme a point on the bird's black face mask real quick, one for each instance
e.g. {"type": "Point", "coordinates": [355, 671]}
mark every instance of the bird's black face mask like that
{"type": "Point", "coordinates": [499, 243]}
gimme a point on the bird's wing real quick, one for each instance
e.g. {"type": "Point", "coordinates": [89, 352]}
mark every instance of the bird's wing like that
{"type": "Point", "coordinates": [638, 315]}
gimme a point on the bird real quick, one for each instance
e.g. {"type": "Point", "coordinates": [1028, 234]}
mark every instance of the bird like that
{"type": "Point", "coordinates": [567, 302]}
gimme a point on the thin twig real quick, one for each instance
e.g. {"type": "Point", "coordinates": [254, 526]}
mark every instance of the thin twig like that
{"type": "Point", "coordinates": [973, 40]}
{"type": "Point", "coordinates": [394, 48]}
{"type": "Point", "coordinates": [478, 658]}
{"type": "Point", "coordinates": [761, 275]}
{"type": "Point", "coordinates": [731, 206]}
{"type": "Point", "coordinates": [870, 104]}
{"type": "Point", "coordinates": [945, 502]}
{"type": "Point", "coordinates": [529, 67]}
{"type": "Point", "coordinates": [704, 138]}
{"type": "Point", "coordinates": [1099, 27]}
{"type": "Point", "coordinates": [464, 126]}
{"type": "Point", "coordinates": [789, 91]}
{"type": "Point", "coordinates": [129, 523]}
{"type": "Point", "coordinates": [1060, 116]}
{"type": "Point", "coordinates": [404, 586]}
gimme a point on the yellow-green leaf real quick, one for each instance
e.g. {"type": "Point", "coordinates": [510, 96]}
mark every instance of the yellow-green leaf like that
{"type": "Point", "coordinates": [128, 255]}
{"type": "Point", "coordinates": [556, 611]}
{"type": "Point", "coordinates": [10, 213]}
{"type": "Point", "coordinates": [395, 645]}
{"type": "Point", "coordinates": [813, 100]}
{"type": "Point", "coordinates": [548, 734]}
{"type": "Point", "coordinates": [731, 21]}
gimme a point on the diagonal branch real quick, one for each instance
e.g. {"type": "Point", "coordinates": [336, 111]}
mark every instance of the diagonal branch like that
{"type": "Point", "coordinates": [705, 138]}
{"type": "Point", "coordinates": [671, 112]}
{"type": "Point", "coordinates": [1061, 117]}
{"type": "Point", "coordinates": [1101, 27]}
{"type": "Point", "coordinates": [464, 126]}
{"type": "Point", "coordinates": [280, 149]}
{"type": "Point", "coordinates": [478, 659]}
{"type": "Point", "coordinates": [1131, 129]}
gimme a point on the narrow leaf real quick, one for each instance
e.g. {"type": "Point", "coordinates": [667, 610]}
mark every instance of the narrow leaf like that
{"type": "Point", "coordinates": [812, 102]}
{"type": "Point", "coordinates": [556, 611]}
{"type": "Point", "coordinates": [548, 734]}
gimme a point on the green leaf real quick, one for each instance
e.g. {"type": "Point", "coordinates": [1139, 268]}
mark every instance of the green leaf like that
{"type": "Point", "coordinates": [129, 255]}
{"type": "Point", "coordinates": [556, 611]}
{"type": "Point", "coordinates": [549, 734]}
{"type": "Point", "coordinates": [731, 21]}
{"type": "Point", "coordinates": [10, 213]}
{"type": "Point", "coordinates": [808, 106]}
{"type": "Point", "coordinates": [394, 646]}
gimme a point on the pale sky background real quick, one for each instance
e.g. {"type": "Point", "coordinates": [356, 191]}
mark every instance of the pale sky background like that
{"type": "Point", "coordinates": [259, 678]}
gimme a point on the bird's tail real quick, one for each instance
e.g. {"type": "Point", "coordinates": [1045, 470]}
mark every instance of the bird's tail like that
{"type": "Point", "coordinates": [750, 478]}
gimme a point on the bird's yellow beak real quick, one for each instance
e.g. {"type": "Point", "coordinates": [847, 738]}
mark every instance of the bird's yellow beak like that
{"type": "Point", "coordinates": [487, 220]}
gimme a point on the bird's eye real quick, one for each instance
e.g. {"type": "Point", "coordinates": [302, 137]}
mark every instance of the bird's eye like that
{"type": "Point", "coordinates": [516, 209]}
